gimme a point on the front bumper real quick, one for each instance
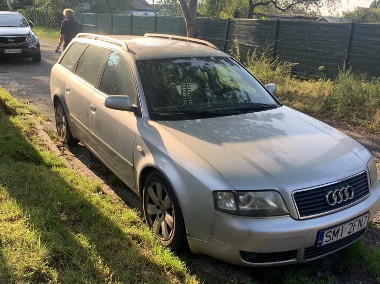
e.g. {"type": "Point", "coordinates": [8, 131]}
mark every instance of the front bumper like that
{"type": "Point", "coordinates": [26, 51]}
{"type": "Point", "coordinates": [281, 240]}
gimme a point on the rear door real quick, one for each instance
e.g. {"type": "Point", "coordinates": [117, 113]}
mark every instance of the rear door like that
{"type": "Point", "coordinates": [79, 89]}
{"type": "Point", "coordinates": [115, 130]}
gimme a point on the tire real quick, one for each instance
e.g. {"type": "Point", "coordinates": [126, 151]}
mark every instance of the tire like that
{"type": "Point", "coordinates": [37, 57]}
{"type": "Point", "coordinates": [62, 126]}
{"type": "Point", "coordinates": [163, 213]}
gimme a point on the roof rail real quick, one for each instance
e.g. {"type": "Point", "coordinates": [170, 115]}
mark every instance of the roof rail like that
{"type": "Point", "coordinates": [103, 38]}
{"type": "Point", "coordinates": [183, 38]}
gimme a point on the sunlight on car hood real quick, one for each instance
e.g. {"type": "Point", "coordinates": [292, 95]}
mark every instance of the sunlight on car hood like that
{"type": "Point", "coordinates": [280, 147]}
{"type": "Point", "coordinates": [14, 31]}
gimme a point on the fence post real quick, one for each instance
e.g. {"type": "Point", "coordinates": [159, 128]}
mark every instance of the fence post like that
{"type": "Point", "coordinates": [131, 24]}
{"type": "Point", "coordinates": [96, 22]}
{"type": "Point", "coordinates": [276, 39]}
{"type": "Point", "coordinates": [226, 35]}
{"type": "Point", "coordinates": [155, 22]}
{"type": "Point", "coordinates": [347, 59]}
{"type": "Point", "coordinates": [112, 29]}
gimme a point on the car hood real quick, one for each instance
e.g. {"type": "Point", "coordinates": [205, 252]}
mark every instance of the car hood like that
{"type": "Point", "coordinates": [279, 149]}
{"type": "Point", "coordinates": [14, 31]}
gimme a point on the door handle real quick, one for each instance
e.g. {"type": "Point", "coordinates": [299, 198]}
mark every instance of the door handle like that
{"type": "Point", "coordinates": [92, 108]}
{"type": "Point", "coordinates": [67, 88]}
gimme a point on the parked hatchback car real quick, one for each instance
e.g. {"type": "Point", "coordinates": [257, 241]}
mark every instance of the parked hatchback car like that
{"type": "Point", "coordinates": [17, 38]}
{"type": "Point", "coordinates": [220, 164]}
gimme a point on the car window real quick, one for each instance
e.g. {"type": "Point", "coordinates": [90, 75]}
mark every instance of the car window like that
{"type": "Point", "coordinates": [72, 55]}
{"type": "Point", "coordinates": [90, 63]}
{"type": "Point", "coordinates": [186, 88]}
{"type": "Point", "coordinates": [117, 77]}
{"type": "Point", "coordinates": [13, 20]}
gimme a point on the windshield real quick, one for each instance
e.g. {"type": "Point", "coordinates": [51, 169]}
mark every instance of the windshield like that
{"type": "Point", "coordinates": [201, 87]}
{"type": "Point", "coordinates": [12, 20]}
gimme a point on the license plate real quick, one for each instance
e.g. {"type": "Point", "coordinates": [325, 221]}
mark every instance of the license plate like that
{"type": "Point", "coordinates": [12, 51]}
{"type": "Point", "coordinates": [341, 231]}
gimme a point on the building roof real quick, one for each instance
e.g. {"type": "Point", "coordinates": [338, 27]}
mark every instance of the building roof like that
{"type": "Point", "coordinates": [142, 5]}
{"type": "Point", "coordinates": [330, 19]}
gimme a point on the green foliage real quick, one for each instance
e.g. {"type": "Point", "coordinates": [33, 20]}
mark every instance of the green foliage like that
{"type": "Point", "coordinates": [4, 5]}
{"type": "Point", "coordinates": [361, 252]}
{"type": "Point", "coordinates": [363, 15]}
{"type": "Point", "coordinates": [59, 227]}
{"type": "Point", "coordinates": [350, 98]}
{"type": "Point", "coordinates": [356, 97]}
{"type": "Point", "coordinates": [19, 4]}
{"type": "Point", "coordinates": [227, 8]}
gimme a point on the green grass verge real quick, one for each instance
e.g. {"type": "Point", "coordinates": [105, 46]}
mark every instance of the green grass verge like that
{"type": "Point", "coordinates": [349, 98]}
{"type": "Point", "coordinates": [366, 254]}
{"type": "Point", "coordinates": [47, 33]}
{"type": "Point", "coordinates": [59, 227]}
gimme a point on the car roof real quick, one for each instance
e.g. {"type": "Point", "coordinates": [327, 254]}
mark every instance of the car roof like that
{"type": "Point", "coordinates": [152, 46]}
{"type": "Point", "coordinates": [9, 12]}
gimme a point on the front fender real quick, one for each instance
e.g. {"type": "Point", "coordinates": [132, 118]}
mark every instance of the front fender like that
{"type": "Point", "coordinates": [191, 177]}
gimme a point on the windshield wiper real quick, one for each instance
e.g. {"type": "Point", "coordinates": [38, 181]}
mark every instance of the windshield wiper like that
{"type": "Point", "coordinates": [214, 111]}
{"type": "Point", "coordinates": [257, 107]}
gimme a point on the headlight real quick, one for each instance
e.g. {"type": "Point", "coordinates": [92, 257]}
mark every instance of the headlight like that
{"type": "Point", "coordinates": [31, 40]}
{"type": "Point", "coordinates": [372, 171]}
{"type": "Point", "coordinates": [250, 203]}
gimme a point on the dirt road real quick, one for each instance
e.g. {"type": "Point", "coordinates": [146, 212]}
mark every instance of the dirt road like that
{"type": "Point", "coordinates": [29, 82]}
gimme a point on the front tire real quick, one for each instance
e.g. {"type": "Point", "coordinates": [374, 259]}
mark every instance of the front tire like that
{"type": "Point", "coordinates": [37, 57]}
{"type": "Point", "coordinates": [163, 213]}
{"type": "Point", "coordinates": [62, 126]}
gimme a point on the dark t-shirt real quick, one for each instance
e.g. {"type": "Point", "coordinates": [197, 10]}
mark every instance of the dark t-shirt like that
{"type": "Point", "coordinates": [70, 28]}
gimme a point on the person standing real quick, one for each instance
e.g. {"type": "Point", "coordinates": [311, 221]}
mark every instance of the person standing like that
{"type": "Point", "coordinates": [70, 27]}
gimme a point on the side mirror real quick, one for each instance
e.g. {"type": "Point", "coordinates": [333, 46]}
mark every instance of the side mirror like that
{"type": "Point", "coordinates": [118, 103]}
{"type": "Point", "coordinates": [31, 24]}
{"type": "Point", "coordinates": [272, 88]}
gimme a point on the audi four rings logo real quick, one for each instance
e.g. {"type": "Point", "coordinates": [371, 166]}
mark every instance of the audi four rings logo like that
{"type": "Point", "coordinates": [340, 195]}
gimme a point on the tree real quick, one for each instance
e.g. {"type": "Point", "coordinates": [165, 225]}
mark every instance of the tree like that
{"type": "Point", "coordinates": [3, 5]}
{"type": "Point", "coordinates": [189, 10]}
{"type": "Point", "coordinates": [285, 5]}
{"type": "Point", "coordinates": [375, 4]}
{"type": "Point", "coordinates": [247, 8]}
{"type": "Point", "coordinates": [20, 4]}
{"type": "Point", "coordinates": [361, 15]}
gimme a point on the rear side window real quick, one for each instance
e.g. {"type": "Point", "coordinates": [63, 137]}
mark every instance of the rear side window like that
{"type": "Point", "coordinates": [90, 63]}
{"type": "Point", "coordinates": [117, 78]}
{"type": "Point", "coordinates": [72, 56]}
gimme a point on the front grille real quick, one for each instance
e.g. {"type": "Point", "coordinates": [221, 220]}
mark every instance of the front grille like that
{"type": "Point", "coordinates": [312, 202]}
{"type": "Point", "coordinates": [268, 257]}
{"type": "Point", "coordinates": [12, 39]}
{"type": "Point", "coordinates": [314, 252]}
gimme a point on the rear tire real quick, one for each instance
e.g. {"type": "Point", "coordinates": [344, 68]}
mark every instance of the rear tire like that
{"type": "Point", "coordinates": [62, 126]}
{"type": "Point", "coordinates": [37, 57]}
{"type": "Point", "coordinates": [163, 213]}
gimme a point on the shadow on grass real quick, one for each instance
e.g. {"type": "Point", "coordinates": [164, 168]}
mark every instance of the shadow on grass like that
{"type": "Point", "coordinates": [83, 244]}
{"type": "Point", "coordinates": [5, 273]}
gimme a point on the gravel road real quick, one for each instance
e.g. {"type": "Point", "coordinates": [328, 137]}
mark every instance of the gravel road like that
{"type": "Point", "coordinates": [29, 82]}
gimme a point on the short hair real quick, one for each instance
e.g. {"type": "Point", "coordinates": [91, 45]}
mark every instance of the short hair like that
{"type": "Point", "coordinates": [68, 12]}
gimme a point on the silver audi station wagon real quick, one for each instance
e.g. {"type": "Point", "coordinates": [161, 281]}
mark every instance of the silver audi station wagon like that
{"type": "Point", "coordinates": [220, 164]}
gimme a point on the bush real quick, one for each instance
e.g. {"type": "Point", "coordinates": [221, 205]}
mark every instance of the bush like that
{"type": "Point", "coordinates": [352, 98]}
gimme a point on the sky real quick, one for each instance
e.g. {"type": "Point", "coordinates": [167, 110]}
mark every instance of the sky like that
{"type": "Point", "coordinates": [349, 5]}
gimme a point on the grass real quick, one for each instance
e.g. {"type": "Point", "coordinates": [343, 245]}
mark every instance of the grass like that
{"type": "Point", "coordinates": [349, 98]}
{"type": "Point", "coordinates": [47, 33]}
{"type": "Point", "coordinates": [59, 227]}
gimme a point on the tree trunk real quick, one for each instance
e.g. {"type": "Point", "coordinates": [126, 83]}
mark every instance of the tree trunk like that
{"type": "Point", "coordinates": [190, 16]}
{"type": "Point", "coordinates": [251, 9]}
{"type": "Point", "coordinates": [7, 109]}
